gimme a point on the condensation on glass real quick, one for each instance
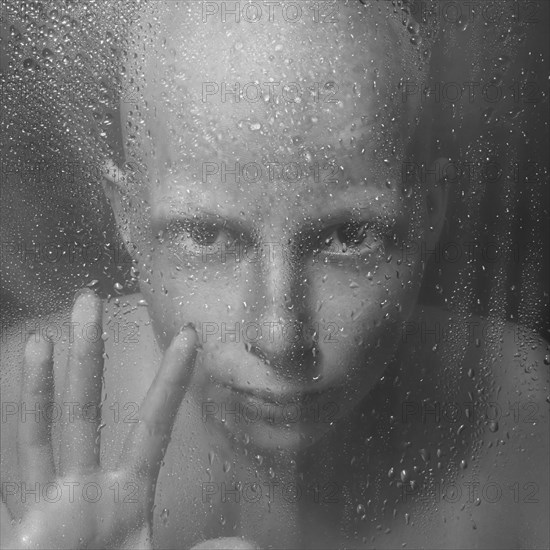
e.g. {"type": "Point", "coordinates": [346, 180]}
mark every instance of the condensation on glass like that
{"type": "Point", "coordinates": [134, 90]}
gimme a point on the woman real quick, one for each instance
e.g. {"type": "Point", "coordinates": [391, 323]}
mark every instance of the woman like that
{"type": "Point", "coordinates": [279, 241]}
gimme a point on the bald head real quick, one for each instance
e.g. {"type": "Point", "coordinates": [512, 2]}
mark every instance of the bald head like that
{"type": "Point", "coordinates": [278, 84]}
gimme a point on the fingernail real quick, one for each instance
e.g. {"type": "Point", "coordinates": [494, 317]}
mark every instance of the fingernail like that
{"type": "Point", "coordinates": [187, 325]}
{"type": "Point", "coordinates": [190, 325]}
{"type": "Point", "coordinates": [81, 292]}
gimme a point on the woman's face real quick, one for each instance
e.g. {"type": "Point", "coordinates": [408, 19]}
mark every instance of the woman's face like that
{"type": "Point", "coordinates": [278, 224]}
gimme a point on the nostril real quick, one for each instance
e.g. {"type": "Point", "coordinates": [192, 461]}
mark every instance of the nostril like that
{"type": "Point", "coordinates": [257, 351]}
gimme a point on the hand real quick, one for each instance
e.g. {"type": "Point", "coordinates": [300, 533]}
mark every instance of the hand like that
{"type": "Point", "coordinates": [88, 513]}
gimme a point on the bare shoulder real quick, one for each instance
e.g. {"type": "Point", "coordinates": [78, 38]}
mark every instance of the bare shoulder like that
{"type": "Point", "coordinates": [523, 394]}
{"type": "Point", "coordinates": [499, 375]}
{"type": "Point", "coordinates": [510, 485]}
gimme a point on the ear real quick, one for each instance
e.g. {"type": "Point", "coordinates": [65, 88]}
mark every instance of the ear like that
{"type": "Point", "coordinates": [437, 198]}
{"type": "Point", "coordinates": [115, 187]}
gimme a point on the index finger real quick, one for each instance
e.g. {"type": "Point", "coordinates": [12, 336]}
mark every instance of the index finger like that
{"type": "Point", "coordinates": [146, 444]}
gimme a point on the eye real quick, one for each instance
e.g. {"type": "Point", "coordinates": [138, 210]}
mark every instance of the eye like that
{"type": "Point", "coordinates": [193, 236]}
{"type": "Point", "coordinates": [352, 234]}
{"type": "Point", "coordinates": [353, 238]}
{"type": "Point", "coordinates": [204, 234]}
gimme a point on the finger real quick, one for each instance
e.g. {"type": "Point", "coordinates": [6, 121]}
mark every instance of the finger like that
{"type": "Point", "coordinates": [79, 451]}
{"type": "Point", "coordinates": [34, 444]}
{"type": "Point", "coordinates": [7, 530]}
{"type": "Point", "coordinates": [146, 444]}
{"type": "Point", "coordinates": [226, 543]}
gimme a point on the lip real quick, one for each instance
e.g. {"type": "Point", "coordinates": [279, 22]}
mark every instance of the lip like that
{"type": "Point", "coordinates": [298, 408]}
{"type": "Point", "coordinates": [279, 398]}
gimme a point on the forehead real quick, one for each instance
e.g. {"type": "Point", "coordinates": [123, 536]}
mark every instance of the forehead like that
{"type": "Point", "coordinates": [295, 104]}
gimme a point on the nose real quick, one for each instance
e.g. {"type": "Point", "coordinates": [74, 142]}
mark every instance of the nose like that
{"type": "Point", "coordinates": [285, 341]}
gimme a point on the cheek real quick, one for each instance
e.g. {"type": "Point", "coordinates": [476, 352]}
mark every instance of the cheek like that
{"type": "Point", "coordinates": [360, 316]}
{"type": "Point", "coordinates": [365, 292]}
{"type": "Point", "coordinates": [178, 292]}
{"type": "Point", "coordinates": [169, 296]}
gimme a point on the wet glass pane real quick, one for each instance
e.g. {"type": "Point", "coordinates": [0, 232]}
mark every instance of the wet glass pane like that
{"type": "Point", "coordinates": [274, 274]}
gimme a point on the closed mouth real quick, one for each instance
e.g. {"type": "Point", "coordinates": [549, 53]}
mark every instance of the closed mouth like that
{"type": "Point", "coordinates": [281, 399]}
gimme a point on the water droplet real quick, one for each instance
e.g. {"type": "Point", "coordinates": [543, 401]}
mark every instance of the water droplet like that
{"type": "Point", "coordinates": [413, 27]}
{"type": "Point", "coordinates": [164, 516]}
{"type": "Point", "coordinates": [493, 426]}
{"type": "Point", "coordinates": [488, 115]}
